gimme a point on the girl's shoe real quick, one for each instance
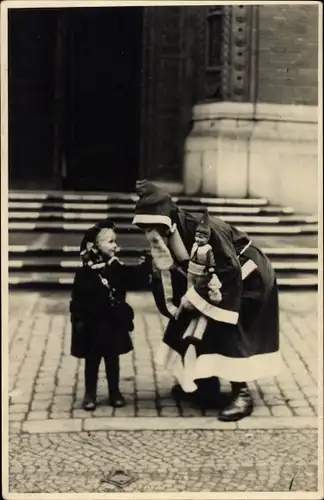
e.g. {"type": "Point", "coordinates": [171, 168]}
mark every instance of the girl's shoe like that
{"type": "Point", "coordinates": [88, 403]}
{"type": "Point", "coordinates": [116, 400]}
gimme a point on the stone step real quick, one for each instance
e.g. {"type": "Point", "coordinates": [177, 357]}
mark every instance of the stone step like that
{"type": "Point", "coordinates": [49, 280]}
{"type": "Point", "coordinates": [291, 252]}
{"type": "Point", "coordinates": [130, 251]}
{"type": "Point", "coordinates": [72, 263]}
{"type": "Point", "coordinates": [110, 208]}
{"type": "Point", "coordinates": [60, 226]}
{"type": "Point", "coordinates": [128, 217]}
{"type": "Point", "coordinates": [52, 280]}
{"type": "Point", "coordinates": [55, 263]}
{"type": "Point", "coordinates": [45, 231]}
{"type": "Point", "coordinates": [59, 239]}
{"type": "Point", "coordinates": [127, 198]}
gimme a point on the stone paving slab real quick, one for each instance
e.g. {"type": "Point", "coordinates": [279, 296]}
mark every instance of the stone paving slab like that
{"type": "Point", "coordinates": [158, 423]}
{"type": "Point", "coordinates": [47, 384]}
{"type": "Point", "coordinates": [165, 461]}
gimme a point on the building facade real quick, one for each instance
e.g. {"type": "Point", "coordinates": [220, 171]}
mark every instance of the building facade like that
{"type": "Point", "coordinates": [218, 100]}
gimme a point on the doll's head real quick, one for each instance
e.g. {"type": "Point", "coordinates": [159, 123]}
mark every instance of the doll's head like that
{"type": "Point", "coordinates": [203, 231]}
{"type": "Point", "coordinates": [202, 237]}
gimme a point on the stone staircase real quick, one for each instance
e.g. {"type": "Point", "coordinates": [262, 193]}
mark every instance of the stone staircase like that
{"type": "Point", "coordinates": [45, 231]}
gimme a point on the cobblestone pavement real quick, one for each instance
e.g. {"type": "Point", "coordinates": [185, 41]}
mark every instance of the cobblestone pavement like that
{"type": "Point", "coordinates": [165, 461]}
{"type": "Point", "coordinates": [45, 382]}
{"type": "Point", "coordinates": [56, 447]}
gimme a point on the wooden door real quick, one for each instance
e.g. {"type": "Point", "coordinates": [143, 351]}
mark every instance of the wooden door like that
{"type": "Point", "coordinates": [103, 98]}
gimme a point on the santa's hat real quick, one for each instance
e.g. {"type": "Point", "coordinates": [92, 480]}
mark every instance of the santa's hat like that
{"type": "Point", "coordinates": [203, 225]}
{"type": "Point", "coordinates": [154, 206]}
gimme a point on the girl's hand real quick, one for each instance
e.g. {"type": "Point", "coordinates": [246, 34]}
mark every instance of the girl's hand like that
{"type": "Point", "coordinates": [141, 260]}
{"type": "Point", "coordinates": [144, 258]}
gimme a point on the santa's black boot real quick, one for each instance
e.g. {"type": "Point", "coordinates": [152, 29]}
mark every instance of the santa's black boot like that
{"type": "Point", "coordinates": [241, 405]}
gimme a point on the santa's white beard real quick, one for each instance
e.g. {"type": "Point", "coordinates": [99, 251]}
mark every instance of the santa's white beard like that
{"type": "Point", "coordinates": [161, 255]}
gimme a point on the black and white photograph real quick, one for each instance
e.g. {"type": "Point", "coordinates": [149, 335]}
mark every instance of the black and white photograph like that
{"type": "Point", "coordinates": [161, 215]}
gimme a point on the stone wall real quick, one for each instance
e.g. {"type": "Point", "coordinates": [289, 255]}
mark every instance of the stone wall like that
{"type": "Point", "coordinates": [287, 70]}
{"type": "Point", "coordinates": [268, 150]}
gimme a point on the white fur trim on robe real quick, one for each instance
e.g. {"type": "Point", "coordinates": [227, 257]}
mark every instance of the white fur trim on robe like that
{"type": "Point", "coordinates": [197, 329]}
{"type": "Point", "coordinates": [231, 369]}
{"type": "Point", "coordinates": [152, 219]}
{"type": "Point", "coordinates": [247, 268]}
{"type": "Point", "coordinates": [211, 311]}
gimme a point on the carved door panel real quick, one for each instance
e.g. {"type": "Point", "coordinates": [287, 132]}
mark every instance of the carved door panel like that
{"type": "Point", "coordinates": [226, 52]}
{"type": "Point", "coordinates": [167, 93]}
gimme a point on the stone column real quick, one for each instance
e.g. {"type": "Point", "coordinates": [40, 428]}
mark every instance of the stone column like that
{"type": "Point", "coordinates": [217, 150]}
{"type": "Point", "coordinates": [283, 164]}
{"type": "Point", "coordinates": [268, 150]}
{"type": "Point", "coordinates": [243, 147]}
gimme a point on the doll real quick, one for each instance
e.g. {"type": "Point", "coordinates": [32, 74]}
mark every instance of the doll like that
{"type": "Point", "coordinates": [201, 269]}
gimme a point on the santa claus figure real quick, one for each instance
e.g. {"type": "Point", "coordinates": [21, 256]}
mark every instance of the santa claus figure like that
{"type": "Point", "coordinates": [232, 334]}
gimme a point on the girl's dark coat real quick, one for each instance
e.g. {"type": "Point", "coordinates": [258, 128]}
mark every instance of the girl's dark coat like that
{"type": "Point", "coordinates": [97, 326]}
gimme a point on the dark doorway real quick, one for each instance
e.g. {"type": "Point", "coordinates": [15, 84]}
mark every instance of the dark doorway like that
{"type": "Point", "coordinates": [103, 89]}
{"type": "Point", "coordinates": [31, 89]}
{"type": "Point", "coordinates": [75, 98]}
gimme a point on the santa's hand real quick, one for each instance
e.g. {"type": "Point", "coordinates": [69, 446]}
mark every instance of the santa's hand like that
{"type": "Point", "coordinates": [214, 287]}
{"type": "Point", "coordinates": [184, 305]}
{"type": "Point", "coordinates": [177, 313]}
{"type": "Point", "coordinates": [215, 296]}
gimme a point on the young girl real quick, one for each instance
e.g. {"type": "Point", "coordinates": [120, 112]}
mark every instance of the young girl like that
{"type": "Point", "coordinates": [101, 318]}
